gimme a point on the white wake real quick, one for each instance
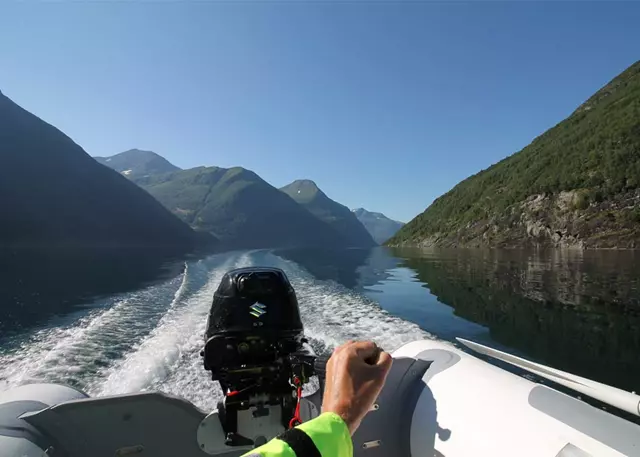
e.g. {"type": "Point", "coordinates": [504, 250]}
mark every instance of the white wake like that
{"type": "Point", "coordinates": [151, 339]}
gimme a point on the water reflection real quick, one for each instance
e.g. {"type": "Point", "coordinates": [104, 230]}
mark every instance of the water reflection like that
{"type": "Point", "coordinates": [353, 268]}
{"type": "Point", "coordinates": [578, 311]}
{"type": "Point", "coordinates": [340, 265]}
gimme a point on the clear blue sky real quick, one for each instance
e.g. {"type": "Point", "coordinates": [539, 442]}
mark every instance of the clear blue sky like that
{"type": "Point", "coordinates": [386, 105]}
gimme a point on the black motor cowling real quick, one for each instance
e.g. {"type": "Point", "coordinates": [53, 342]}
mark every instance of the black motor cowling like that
{"type": "Point", "coordinates": [256, 349]}
{"type": "Point", "coordinates": [254, 337]}
{"type": "Point", "coordinates": [254, 299]}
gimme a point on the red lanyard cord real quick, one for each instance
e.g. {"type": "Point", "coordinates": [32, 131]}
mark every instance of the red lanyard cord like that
{"type": "Point", "coordinates": [296, 420]}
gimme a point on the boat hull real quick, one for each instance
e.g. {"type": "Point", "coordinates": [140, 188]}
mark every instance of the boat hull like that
{"type": "Point", "coordinates": [472, 408]}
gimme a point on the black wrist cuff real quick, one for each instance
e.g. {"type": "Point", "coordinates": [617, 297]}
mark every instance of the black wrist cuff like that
{"type": "Point", "coordinates": [300, 443]}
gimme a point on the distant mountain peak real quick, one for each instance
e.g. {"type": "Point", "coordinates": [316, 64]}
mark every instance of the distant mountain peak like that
{"type": "Point", "coordinates": [361, 211]}
{"type": "Point", "coordinates": [308, 194]}
{"type": "Point", "coordinates": [378, 225]}
{"type": "Point", "coordinates": [138, 162]}
{"type": "Point", "coordinates": [305, 184]}
{"type": "Point", "coordinates": [303, 190]}
{"type": "Point", "coordinates": [142, 152]}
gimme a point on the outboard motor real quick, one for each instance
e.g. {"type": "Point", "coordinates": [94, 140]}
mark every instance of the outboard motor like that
{"type": "Point", "coordinates": [256, 349]}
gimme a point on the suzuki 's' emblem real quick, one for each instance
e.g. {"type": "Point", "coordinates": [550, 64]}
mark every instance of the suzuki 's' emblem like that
{"type": "Point", "coordinates": [257, 309]}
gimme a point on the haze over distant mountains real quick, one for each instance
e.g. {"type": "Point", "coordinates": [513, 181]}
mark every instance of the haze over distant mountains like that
{"type": "Point", "coordinates": [240, 208]}
{"type": "Point", "coordinates": [378, 225]}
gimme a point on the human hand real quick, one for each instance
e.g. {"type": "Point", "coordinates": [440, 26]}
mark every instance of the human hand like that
{"type": "Point", "coordinates": [356, 373]}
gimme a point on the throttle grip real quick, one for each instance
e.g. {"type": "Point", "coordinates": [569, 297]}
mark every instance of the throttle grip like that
{"type": "Point", "coordinates": [375, 357]}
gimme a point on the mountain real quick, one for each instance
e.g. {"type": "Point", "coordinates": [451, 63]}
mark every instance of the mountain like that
{"type": "Point", "coordinates": [240, 208]}
{"type": "Point", "coordinates": [576, 185]}
{"type": "Point", "coordinates": [378, 225]}
{"type": "Point", "coordinates": [338, 216]}
{"type": "Point", "coordinates": [135, 162]}
{"type": "Point", "coordinates": [52, 193]}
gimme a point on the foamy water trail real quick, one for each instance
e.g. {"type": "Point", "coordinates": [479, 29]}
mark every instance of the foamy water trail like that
{"type": "Point", "coordinates": [332, 314]}
{"type": "Point", "coordinates": [78, 353]}
{"type": "Point", "coordinates": [168, 359]}
{"type": "Point", "coordinates": [151, 339]}
{"type": "Point", "coordinates": [74, 353]}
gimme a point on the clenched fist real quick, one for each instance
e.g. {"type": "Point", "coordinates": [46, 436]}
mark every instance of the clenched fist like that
{"type": "Point", "coordinates": [356, 373]}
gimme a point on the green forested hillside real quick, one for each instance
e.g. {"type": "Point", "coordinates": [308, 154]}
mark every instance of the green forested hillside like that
{"type": "Point", "coordinates": [576, 184]}
{"type": "Point", "coordinates": [239, 207]}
